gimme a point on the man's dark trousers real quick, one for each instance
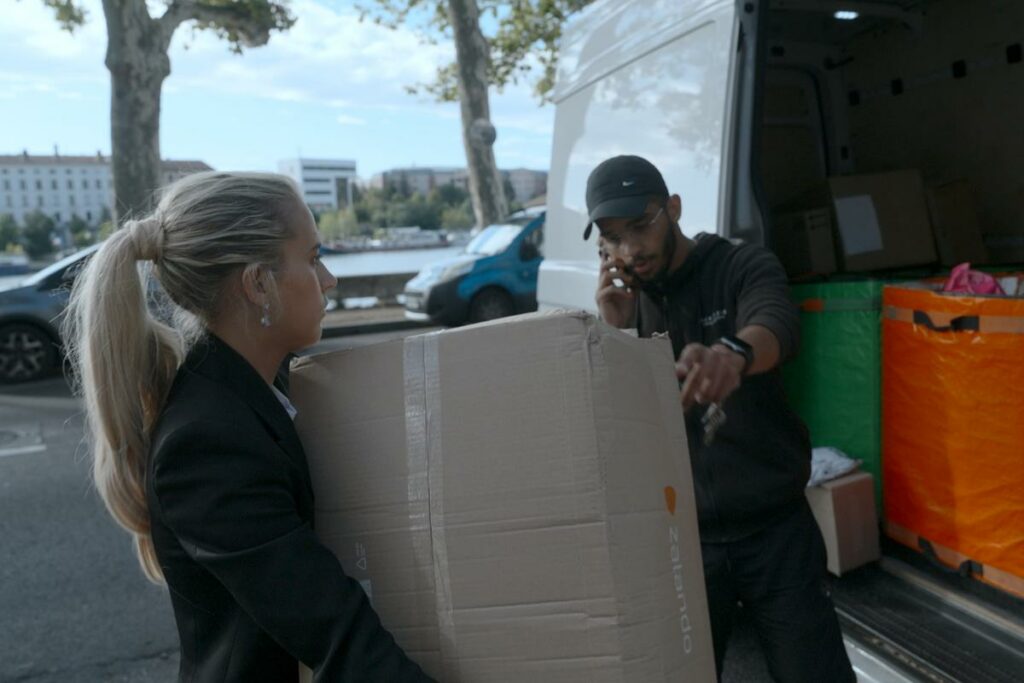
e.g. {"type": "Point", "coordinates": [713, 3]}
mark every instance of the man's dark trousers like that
{"type": "Point", "coordinates": [779, 575]}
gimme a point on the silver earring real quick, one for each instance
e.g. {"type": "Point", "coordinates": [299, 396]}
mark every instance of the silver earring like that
{"type": "Point", "coordinates": [265, 320]}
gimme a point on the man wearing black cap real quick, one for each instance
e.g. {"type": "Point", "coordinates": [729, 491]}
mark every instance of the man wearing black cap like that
{"type": "Point", "coordinates": [727, 311]}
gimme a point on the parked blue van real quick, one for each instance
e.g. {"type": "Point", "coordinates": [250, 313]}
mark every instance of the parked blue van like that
{"type": "Point", "coordinates": [494, 277]}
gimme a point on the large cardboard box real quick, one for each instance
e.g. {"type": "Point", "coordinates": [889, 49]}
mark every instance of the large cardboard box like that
{"type": "Point", "coordinates": [515, 498]}
{"type": "Point", "coordinates": [881, 219]}
{"type": "Point", "coordinates": [845, 511]}
{"type": "Point", "coordinates": [803, 242]}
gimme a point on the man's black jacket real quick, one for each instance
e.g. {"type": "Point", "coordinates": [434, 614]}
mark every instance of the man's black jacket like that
{"type": "Point", "coordinates": [755, 470]}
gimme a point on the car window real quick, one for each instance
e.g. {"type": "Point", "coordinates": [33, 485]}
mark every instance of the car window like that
{"type": "Point", "coordinates": [76, 261]}
{"type": "Point", "coordinates": [534, 242]}
{"type": "Point", "coordinates": [494, 239]}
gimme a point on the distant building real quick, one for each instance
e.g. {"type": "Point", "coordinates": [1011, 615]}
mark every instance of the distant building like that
{"type": "Point", "coordinates": [65, 186]}
{"type": "Point", "coordinates": [526, 183]}
{"type": "Point", "coordinates": [175, 170]}
{"type": "Point", "coordinates": [422, 180]}
{"type": "Point", "coordinates": [326, 183]}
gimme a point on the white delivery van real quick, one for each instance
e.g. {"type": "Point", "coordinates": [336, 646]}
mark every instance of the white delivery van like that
{"type": "Point", "coordinates": [755, 110]}
{"type": "Point", "coordinates": [747, 106]}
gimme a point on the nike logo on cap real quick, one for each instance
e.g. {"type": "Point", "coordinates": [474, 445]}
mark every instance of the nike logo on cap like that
{"type": "Point", "coordinates": [627, 183]}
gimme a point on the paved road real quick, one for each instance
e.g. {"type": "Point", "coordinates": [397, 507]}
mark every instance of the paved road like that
{"type": "Point", "coordinates": [74, 607]}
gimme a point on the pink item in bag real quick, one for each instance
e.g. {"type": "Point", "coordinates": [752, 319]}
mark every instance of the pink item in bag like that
{"type": "Point", "coordinates": [963, 280]}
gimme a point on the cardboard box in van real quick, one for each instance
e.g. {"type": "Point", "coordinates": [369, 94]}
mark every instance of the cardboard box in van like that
{"type": "Point", "coordinates": [515, 498]}
{"type": "Point", "coordinates": [845, 511]}
{"type": "Point", "coordinates": [803, 242]}
{"type": "Point", "coordinates": [881, 220]}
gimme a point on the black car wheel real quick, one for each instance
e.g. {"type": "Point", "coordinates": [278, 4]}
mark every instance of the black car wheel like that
{"type": "Point", "coordinates": [26, 353]}
{"type": "Point", "coordinates": [490, 304]}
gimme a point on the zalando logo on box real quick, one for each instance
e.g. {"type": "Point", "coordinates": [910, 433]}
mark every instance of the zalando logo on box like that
{"type": "Point", "coordinates": [677, 571]}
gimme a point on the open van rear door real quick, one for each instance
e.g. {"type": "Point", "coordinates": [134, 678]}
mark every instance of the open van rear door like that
{"type": "Point", "coordinates": [649, 77]}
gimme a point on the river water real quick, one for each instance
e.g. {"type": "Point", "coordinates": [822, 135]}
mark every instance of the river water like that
{"type": "Point", "coordinates": [385, 262]}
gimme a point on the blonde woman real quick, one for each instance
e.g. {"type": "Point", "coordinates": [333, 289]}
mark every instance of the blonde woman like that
{"type": "Point", "coordinates": [194, 449]}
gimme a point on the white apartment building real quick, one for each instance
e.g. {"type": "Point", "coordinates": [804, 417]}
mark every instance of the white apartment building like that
{"type": "Point", "coordinates": [64, 186]}
{"type": "Point", "coordinates": [326, 183]}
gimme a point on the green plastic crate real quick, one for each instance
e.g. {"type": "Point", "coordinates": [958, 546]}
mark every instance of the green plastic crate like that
{"type": "Point", "coordinates": [835, 382]}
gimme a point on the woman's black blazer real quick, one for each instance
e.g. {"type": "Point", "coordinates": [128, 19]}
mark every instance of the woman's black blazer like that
{"type": "Point", "coordinates": [231, 504]}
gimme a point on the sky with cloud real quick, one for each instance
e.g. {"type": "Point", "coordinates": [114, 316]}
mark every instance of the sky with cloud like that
{"type": "Point", "coordinates": [331, 87]}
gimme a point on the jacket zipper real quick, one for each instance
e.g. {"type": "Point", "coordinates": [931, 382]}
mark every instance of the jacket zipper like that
{"type": "Point", "coordinates": [705, 461]}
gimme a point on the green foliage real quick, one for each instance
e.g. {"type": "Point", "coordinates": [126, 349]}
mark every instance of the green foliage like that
{"type": "Point", "coordinates": [80, 231]}
{"type": "Point", "coordinates": [335, 225]}
{"type": "Point", "coordinates": [106, 228]}
{"type": "Point", "coordinates": [242, 23]}
{"type": "Point", "coordinates": [37, 235]}
{"type": "Point", "coordinates": [69, 15]}
{"type": "Point", "coordinates": [523, 39]}
{"type": "Point", "coordinates": [416, 210]}
{"type": "Point", "coordinates": [448, 194]}
{"type": "Point", "coordinates": [446, 207]}
{"type": "Point", "coordinates": [8, 231]}
{"type": "Point", "coordinates": [458, 217]}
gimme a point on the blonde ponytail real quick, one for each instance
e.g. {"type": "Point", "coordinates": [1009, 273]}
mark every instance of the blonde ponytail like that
{"type": "Point", "coordinates": [206, 226]}
{"type": "Point", "coordinates": [126, 361]}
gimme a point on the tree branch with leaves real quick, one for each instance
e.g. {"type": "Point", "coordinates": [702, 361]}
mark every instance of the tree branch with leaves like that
{"type": "Point", "coordinates": [137, 47]}
{"type": "Point", "coordinates": [523, 47]}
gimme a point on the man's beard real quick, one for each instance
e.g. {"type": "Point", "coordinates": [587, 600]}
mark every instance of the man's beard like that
{"type": "Point", "coordinates": [657, 284]}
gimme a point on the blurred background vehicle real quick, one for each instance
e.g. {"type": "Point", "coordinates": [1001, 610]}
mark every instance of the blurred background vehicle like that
{"type": "Point", "coordinates": [496, 275]}
{"type": "Point", "coordinates": [30, 308]}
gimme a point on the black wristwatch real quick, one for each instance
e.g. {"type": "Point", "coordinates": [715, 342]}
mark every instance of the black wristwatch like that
{"type": "Point", "coordinates": [737, 345]}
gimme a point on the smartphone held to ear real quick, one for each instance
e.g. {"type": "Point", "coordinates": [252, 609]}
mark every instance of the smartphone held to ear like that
{"type": "Point", "coordinates": [617, 267]}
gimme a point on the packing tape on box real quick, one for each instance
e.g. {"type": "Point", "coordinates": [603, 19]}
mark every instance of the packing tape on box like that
{"type": "Point", "coordinates": [944, 321]}
{"type": "Point", "coordinates": [422, 377]}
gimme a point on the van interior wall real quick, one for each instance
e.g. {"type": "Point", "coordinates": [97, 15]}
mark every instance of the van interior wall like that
{"type": "Point", "coordinates": [792, 138]}
{"type": "Point", "coordinates": [948, 101]}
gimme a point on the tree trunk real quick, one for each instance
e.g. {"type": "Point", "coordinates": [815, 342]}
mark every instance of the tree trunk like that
{"type": "Point", "coordinates": [472, 56]}
{"type": "Point", "coordinates": [138, 63]}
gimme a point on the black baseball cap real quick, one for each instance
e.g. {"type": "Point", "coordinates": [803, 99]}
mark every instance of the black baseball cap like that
{"type": "Point", "coordinates": [620, 188]}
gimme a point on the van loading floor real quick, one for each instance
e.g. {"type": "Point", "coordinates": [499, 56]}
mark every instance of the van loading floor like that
{"type": "Point", "coordinates": [930, 639]}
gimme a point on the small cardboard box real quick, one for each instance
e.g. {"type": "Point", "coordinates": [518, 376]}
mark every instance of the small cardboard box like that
{"type": "Point", "coordinates": [881, 219]}
{"type": "Point", "coordinates": [845, 511]}
{"type": "Point", "coordinates": [515, 498]}
{"type": "Point", "coordinates": [803, 242]}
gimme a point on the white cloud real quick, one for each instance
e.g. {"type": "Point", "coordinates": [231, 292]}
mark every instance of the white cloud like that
{"type": "Point", "coordinates": [325, 58]}
{"type": "Point", "coordinates": [329, 65]}
{"type": "Point", "coordinates": [39, 56]}
{"type": "Point", "coordinates": [31, 25]}
{"type": "Point", "coordinates": [328, 57]}
{"type": "Point", "coordinates": [347, 120]}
